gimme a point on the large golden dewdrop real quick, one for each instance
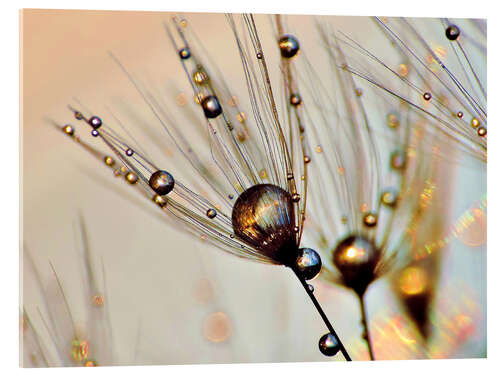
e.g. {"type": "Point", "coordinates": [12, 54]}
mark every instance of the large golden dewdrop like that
{"type": "Point", "coordinates": [357, 257]}
{"type": "Point", "coordinates": [263, 217]}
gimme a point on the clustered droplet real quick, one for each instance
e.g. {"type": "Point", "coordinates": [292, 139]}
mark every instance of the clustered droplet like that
{"type": "Point", "coordinates": [131, 178]}
{"type": "Point", "coordinates": [211, 213]}
{"type": "Point", "coordinates": [393, 120]}
{"type": "Point", "coordinates": [398, 160]}
{"type": "Point", "coordinates": [295, 99]}
{"type": "Point", "coordinates": [161, 182]}
{"type": "Point", "coordinates": [370, 219]}
{"type": "Point", "coordinates": [159, 200]}
{"type": "Point", "coordinates": [452, 32]}
{"type": "Point", "coordinates": [389, 198]}
{"type": "Point", "coordinates": [184, 53]}
{"type": "Point", "coordinates": [200, 77]}
{"type": "Point", "coordinates": [69, 130]}
{"type": "Point", "coordinates": [95, 122]}
{"type": "Point", "coordinates": [481, 131]}
{"type": "Point", "coordinates": [211, 106]}
{"type": "Point", "coordinates": [474, 122]}
{"type": "Point", "coordinates": [109, 161]}
{"type": "Point", "coordinates": [94, 133]}
{"type": "Point", "coordinates": [289, 46]}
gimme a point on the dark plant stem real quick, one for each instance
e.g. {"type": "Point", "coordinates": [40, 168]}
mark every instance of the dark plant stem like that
{"type": "Point", "coordinates": [322, 314]}
{"type": "Point", "coordinates": [364, 322]}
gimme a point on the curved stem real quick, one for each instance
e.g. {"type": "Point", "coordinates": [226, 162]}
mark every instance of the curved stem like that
{"type": "Point", "coordinates": [364, 321]}
{"type": "Point", "coordinates": [322, 314]}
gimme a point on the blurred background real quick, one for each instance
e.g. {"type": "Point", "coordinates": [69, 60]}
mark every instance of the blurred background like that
{"type": "Point", "coordinates": [172, 299]}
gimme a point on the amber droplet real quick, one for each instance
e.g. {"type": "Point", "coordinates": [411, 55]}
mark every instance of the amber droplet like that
{"type": "Point", "coordinates": [109, 161]}
{"type": "Point", "coordinates": [295, 99]}
{"type": "Point", "coordinates": [159, 200]}
{"type": "Point", "coordinates": [389, 198]}
{"type": "Point", "coordinates": [264, 218]}
{"type": "Point", "coordinates": [413, 280]}
{"type": "Point", "coordinates": [398, 160]}
{"type": "Point", "coordinates": [69, 130]}
{"type": "Point", "coordinates": [393, 120]}
{"type": "Point", "coordinates": [356, 257]}
{"type": "Point", "coordinates": [370, 220]}
{"type": "Point", "coordinates": [131, 178]}
{"type": "Point", "coordinates": [200, 77]}
{"type": "Point", "coordinates": [481, 131]}
{"type": "Point", "coordinates": [474, 122]}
